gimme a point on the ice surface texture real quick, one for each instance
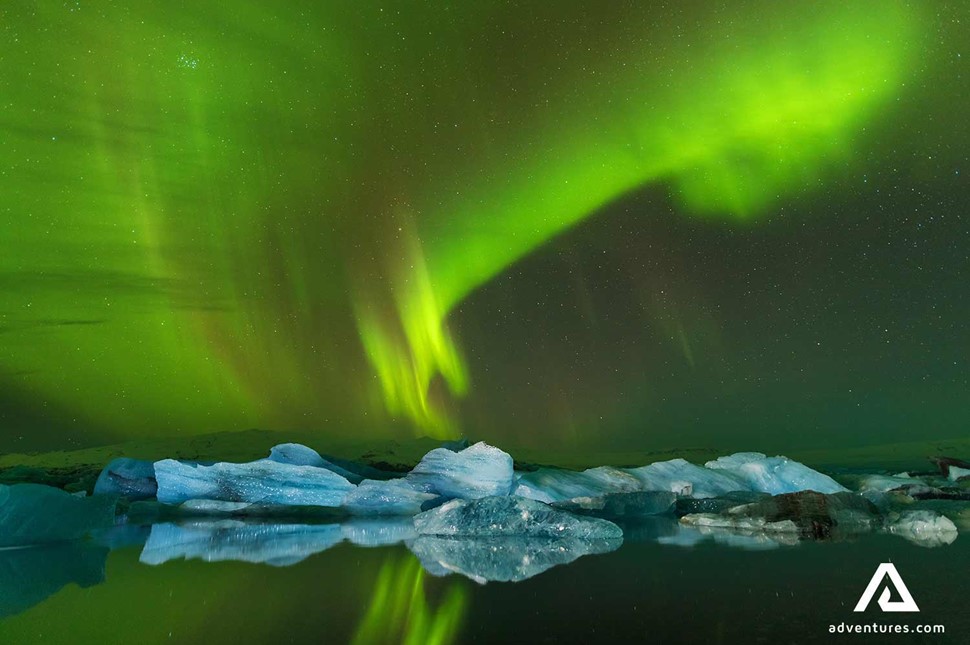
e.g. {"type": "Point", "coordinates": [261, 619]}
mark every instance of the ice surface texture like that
{"type": "Point", "coordinates": [745, 472]}
{"type": "Point", "coordinates": [394, 497]}
{"type": "Point", "coordinates": [925, 528]}
{"type": "Point", "coordinates": [775, 475]}
{"type": "Point", "coordinates": [131, 478]}
{"type": "Point", "coordinates": [296, 454]}
{"type": "Point", "coordinates": [480, 470]}
{"type": "Point", "coordinates": [510, 516]}
{"type": "Point", "coordinates": [621, 505]}
{"type": "Point", "coordinates": [502, 559]}
{"type": "Point", "coordinates": [264, 482]}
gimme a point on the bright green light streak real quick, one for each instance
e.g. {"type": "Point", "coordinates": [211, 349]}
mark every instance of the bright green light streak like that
{"type": "Point", "coordinates": [781, 103]}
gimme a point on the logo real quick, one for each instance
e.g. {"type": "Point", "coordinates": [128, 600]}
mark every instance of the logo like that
{"type": "Point", "coordinates": [906, 602]}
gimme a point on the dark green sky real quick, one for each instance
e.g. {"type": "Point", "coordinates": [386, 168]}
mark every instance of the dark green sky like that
{"type": "Point", "coordinates": [612, 224]}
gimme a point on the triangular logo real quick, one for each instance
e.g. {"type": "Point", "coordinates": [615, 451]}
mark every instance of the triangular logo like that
{"type": "Point", "coordinates": [905, 604]}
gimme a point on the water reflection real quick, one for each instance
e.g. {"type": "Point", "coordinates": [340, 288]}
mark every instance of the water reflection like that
{"type": "Point", "coordinates": [404, 604]}
{"type": "Point", "coordinates": [399, 611]}
{"type": "Point", "coordinates": [510, 559]}
{"type": "Point", "coordinates": [480, 559]}
{"type": "Point", "coordinates": [28, 576]}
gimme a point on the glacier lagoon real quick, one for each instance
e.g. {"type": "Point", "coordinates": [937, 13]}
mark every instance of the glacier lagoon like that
{"type": "Point", "coordinates": [380, 555]}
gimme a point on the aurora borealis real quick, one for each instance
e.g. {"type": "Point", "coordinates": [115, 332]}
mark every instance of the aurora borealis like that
{"type": "Point", "coordinates": [574, 222]}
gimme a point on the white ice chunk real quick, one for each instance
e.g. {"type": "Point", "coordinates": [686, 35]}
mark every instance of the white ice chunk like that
{"type": "Point", "coordinates": [480, 470]}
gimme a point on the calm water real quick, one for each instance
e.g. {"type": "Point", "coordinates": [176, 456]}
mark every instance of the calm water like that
{"type": "Point", "coordinates": [646, 590]}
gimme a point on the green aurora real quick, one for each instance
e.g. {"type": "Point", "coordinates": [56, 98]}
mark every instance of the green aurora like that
{"type": "Point", "coordinates": [226, 215]}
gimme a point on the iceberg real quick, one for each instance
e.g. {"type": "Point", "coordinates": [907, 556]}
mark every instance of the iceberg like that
{"type": "Point", "coordinates": [924, 528]}
{"type": "Point", "coordinates": [36, 514]}
{"type": "Point", "coordinates": [901, 482]}
{"type": "Point", "coordinates": [480, 470]}
{"type": "Point", "coordinates": [392, 497]}
{"type": "Point", "coordinates": [956, 473]}
{"type": "Point", "coordinates": [744, 524]}
{"type": "Point", "coordinates": [295, 454]}
{"type": "Point", "coordinates": [502, 559]}
{"type": "Point", "coordinates": [130, 478]}
{"type": "Point", "coordinates": [813, 514]}
{"type": "Point", "coordinates": [557, 485]}
{"type": "Point", "coordinates": [263, 482]}
{"type": "Point", "coordinates": [277, 545]}
{"type": "Point", "coordinates": [510, 516]}
{"type": "Point", "coordinates": [742, 472]}
{"type": "Point", "coordinates": [684, 478]}
{"type": "Point", "coordinates": [775, 475]}
{"type": "Point", "coordinates": [621, 505]}
{"type": "Point", "coordinates": [690, 505]}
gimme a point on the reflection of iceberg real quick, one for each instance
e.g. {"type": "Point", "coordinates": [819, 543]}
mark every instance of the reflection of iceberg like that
{"type": "Point", "coordinates": [689, 536]}
{"type": "Point", "coordinates": [28, 576]}
{"type": "Point", "coordinates": [268, 543]}
{"type": "Point", "coordinates": [215, 541]}
{"type": "Point", "coordinates": [510, 517]}
{"type": "Point", "coordinates": [378, 531]}
{"type": "Point", "coordinates": [502, 559]}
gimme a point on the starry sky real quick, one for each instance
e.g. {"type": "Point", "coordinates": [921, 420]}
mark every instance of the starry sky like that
{"type": "Point", "coordinates": [621, 225]}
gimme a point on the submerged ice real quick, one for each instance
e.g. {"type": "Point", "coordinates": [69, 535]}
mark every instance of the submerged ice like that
{"type": "Point", "coordinates": [510, 516]}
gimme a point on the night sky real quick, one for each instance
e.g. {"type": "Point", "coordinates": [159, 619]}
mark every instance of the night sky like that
{"type": "Point", "coordinates": [618, 225]}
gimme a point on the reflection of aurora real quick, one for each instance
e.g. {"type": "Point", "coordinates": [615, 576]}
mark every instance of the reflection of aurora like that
{"type": "Point", "coordinates": [269, 223]}
{"type": "Point", "coordinates": [400, 612]}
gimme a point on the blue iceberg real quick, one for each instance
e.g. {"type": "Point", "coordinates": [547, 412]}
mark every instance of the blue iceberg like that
{"type": "Point", "coordinates": [621, 505]}
{"type": "Point", "coordinates": [130, 478]}
{"type": "Point", "coordinates": [775, 475]}
{"type": "Point", "coordinates": [743, 472]}
{"type": "Point", "coordinates": [557, 485]}
{"type": "Point", "coordinates": [393, 497]}
{"type": "Point", "coordinates": [684, 478]}
{"type": "Point", "coordinates": [262, 482]}
{"type": "Point", "coordinates": [480, 470]}
{"type": "Point", "coordinates": [278, 545]}
{"type": "Point", "coordinates": [296, 454]}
